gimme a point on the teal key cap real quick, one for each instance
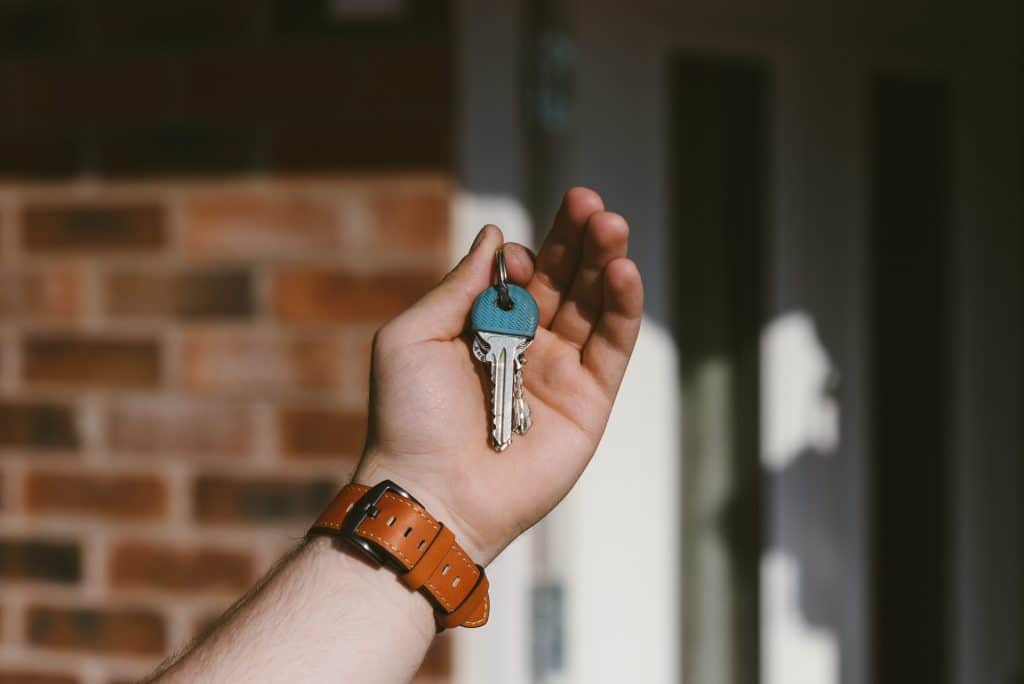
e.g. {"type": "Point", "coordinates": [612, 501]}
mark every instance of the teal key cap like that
{"type": "Point", "coordinates": [520, 320]}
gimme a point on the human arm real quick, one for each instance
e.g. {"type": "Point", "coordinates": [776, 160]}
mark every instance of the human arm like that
{"type": "Point", "coordinates": [324, 614]}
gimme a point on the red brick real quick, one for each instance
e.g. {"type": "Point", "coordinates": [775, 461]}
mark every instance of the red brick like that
{"type": "Point", "coordinates": [17, 676]}
{"type": "Point", "coordinates": [141, 565]}
{"type": "Point", "coordinates": [188, 295]}
{"type": "Point", "coordinates": [39, 156]}
{"type": "Point", "coordinates": [377, 147]}
{"type": "Point", "coordinates": [152, 426]}
{"type": "Point", "coordinates": [100, 630]}
{"type": "Point", "coordinates": [261, 363]}
{"type": "Point", "coordinates": [78, 360]}
{"type": "Point", "coordinates": [40, 560]}
{"type": "Point", "coordinates": [37, 425]}
{"type": "Point", "coordinates": [265, 85]}
{"type": "Point", "coordinates": [38, 30]}
{"type": "Point", "coordinates": [169, 149]}
{"type": "Point", "coordinates": [321, 433]}
{"type": "Point", "coordinates": [111, 93]}
{"type": "Point", "coordinates": [109, 496]}
{"type": "Point", "coordinates": [319, 295]}
{"type": "Point", "coordinates": [186, 24]}
{"type": "Point", "coordinates": [78, 228]}
{"type": "Point", "coordinates": [260, 226]}
{"type": "Point", "coordinates": [318, 84]}
{"type": "Point", "coordinates": [414, 222]}
{"type": "Point", "coordinates": [42, 295]}
{"type": "Point", "coordinates": [265, 500]}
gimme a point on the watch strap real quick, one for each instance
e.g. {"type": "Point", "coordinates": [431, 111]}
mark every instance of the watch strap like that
{"type": "Point", "coordinates": [393, 528]}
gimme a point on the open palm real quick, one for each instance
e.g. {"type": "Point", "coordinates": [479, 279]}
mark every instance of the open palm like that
{"type": "Point", "coordinates": [430, 398]}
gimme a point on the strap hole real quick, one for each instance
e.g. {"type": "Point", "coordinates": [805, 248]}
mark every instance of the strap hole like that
{"type": "Point", "coordinates": [444, 570]}
{"type": "Point", "coordinates": [407, 532]}
{"type": "Point", "coordinates": [391, 520]}
{"type": "Point", "coordinates": [456, 581]}
{"type": "Point", "coordinates": [422, 542]}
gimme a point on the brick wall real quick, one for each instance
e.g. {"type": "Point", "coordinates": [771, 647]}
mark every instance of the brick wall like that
{"type": "Point", "coordinates": [124, 88]}
{"type": "Point", "coordinates": [183, 378]}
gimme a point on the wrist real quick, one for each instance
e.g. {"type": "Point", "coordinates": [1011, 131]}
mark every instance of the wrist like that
{"type": "Point", "coordinates": [373, 469]}
{"type": "Point", "coordinates": [389, 526]}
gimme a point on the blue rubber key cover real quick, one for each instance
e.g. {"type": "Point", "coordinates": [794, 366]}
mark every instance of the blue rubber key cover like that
{"type": "Point", "coordinates": [519, 321]}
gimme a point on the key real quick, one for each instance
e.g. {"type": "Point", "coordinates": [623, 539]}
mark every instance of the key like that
{"type": "Point", "coordinates": [504, 320]}
{"type": "Point", "coordinates": [522, 420]}
{"type": "Point", "coordinates": [499, 351]}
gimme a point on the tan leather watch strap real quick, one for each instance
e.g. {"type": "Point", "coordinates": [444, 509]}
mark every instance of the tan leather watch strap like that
{"type": "Point", "coordinates": [391, 527]}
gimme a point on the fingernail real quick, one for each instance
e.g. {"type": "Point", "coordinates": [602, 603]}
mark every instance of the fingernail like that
{"type": "Point", "coordinates": [478, 239]}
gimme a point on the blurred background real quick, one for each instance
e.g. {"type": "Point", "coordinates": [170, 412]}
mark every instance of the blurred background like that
{"type": "Point", "coordinates": [813, 473]}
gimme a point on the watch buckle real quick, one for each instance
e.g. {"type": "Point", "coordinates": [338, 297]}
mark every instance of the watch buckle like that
{"type": "Point", "coordinates": [366, 507]}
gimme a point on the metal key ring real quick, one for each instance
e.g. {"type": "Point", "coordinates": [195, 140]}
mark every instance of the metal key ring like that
{"type": "Point", "coordinates": [504, 300]}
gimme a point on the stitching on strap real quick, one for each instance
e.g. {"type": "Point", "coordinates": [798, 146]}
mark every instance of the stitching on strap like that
{"type": "Point", "coordinates": [393, 497]}
{"type": "Point", "coordinates": [386, 543]}
{"type": "Point", "coordinates": [483, 616]}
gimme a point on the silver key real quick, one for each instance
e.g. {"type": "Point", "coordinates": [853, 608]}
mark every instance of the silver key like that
{"type": "Point", "coordinates": [504, 319]}
{"type": "Point", "coordinates": [502, 352]}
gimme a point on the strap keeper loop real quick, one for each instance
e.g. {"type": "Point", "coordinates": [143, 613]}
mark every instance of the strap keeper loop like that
{"type": "Point", "coordinates": [469, 606]}
{"type": "Point", "coordinates": [418, 574]}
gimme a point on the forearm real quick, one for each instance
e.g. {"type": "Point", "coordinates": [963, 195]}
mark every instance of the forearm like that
{"type": "Point", "coordinates": [321, 615]}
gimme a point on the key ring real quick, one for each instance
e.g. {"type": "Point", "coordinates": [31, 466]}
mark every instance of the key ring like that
{"type": "Point", "coordinates": [504, 300]}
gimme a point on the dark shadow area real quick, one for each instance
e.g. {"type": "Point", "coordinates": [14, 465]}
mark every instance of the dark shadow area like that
{"type": "Point", "coordinates": [910, 462]}
{"type": "Point", "coordinates": [123, 89]}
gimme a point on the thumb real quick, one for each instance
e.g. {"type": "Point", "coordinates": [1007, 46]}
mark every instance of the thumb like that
{"type": "Point", "coordinates": [441, 313]}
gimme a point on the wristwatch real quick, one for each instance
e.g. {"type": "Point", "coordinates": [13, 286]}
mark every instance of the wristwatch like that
{"type": "Point", "coordinates": [389, 527]}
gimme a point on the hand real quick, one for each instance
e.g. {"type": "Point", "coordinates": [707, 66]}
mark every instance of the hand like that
{"type": "Point", "coordinates": [429, 397]}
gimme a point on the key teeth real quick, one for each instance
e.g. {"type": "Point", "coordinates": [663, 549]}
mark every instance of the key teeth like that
{"type": "Point", "coordinates": [495, 431]}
